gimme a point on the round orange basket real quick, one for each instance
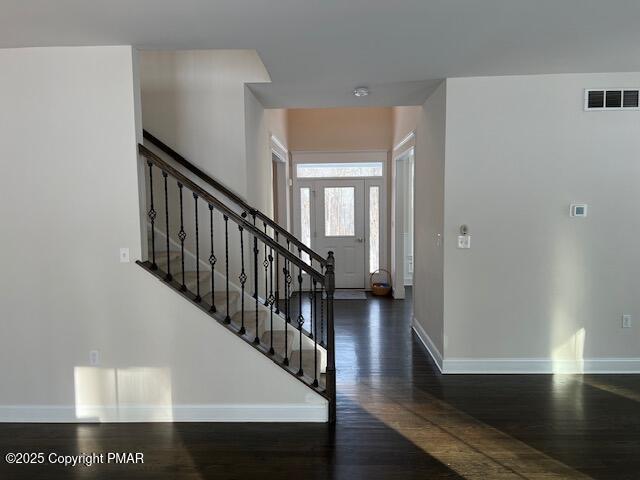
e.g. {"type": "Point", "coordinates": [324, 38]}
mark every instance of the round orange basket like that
{"type": "Point", "coordinates": [381, 289]}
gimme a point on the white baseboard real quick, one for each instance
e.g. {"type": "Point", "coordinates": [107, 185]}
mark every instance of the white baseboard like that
{"type": "Point", "coordinates": [428, 343]}
{"type": "Point", "coordinates": [488, 366]}
{"type": "Point", "coordinates": [539, 365]}
{"type": "Point", "coordinates": [316, 413]}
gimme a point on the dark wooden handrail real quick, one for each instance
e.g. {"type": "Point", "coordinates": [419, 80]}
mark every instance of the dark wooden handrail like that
{"type": "Point", "coordinates": [238, 219]}
{"type": "Point", "coordinates": [232, 196]}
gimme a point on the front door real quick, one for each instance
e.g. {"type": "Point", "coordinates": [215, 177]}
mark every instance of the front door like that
{"type": "Point", "coordinates": [338, 225]}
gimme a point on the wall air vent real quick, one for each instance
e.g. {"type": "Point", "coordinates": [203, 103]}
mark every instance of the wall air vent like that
{"type": "Point", "coordinates": [611, 99]}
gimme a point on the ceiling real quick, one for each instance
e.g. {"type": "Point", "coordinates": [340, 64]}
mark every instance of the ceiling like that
{"type": "Point", "coordinates": [317, 51]}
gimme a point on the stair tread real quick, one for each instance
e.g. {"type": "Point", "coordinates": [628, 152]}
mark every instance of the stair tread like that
{"type": "Point", "coordinates": [221, 300]}
{"type": "Point", "coordinates": [308, 362]}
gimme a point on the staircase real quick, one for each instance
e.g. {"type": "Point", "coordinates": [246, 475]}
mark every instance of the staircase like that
{"type": "Point", "coordinates": [239, 267]}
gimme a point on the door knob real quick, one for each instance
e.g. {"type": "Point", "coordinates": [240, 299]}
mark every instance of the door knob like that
{"type": "Point", "coordinates": [360, 239]}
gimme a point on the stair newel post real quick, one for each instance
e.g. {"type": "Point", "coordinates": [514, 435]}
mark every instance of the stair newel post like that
{"type": "Point", "coordinates": [152, 216]}
{"type": "Point", "coordinates": [195, 206]}
{"type": "Point", "coordinates": [168, 276]}
{"type": "Point", "coordinates": [212, 262]}
{"type": "Point", "coordinates": [330, 286]}
{"type": "Point", "coordinates": [256, 250]}
{"type": "Point", "coordinates": [243, 280]}
{"type": "Point", "coordinates": [314, 317]}
{"type": "Point", "coordinates": [182, 235]}
{"type": "Point", "coordinates": [277, 277]}
{"type": "Point", "coordinates": [271, 297]}
{"type": "Point", "coordinates": [265, 264]}
{"type": "Point", "coordinates": [227, 318]}
{"type": "Point", "coordinates": [300, 316]}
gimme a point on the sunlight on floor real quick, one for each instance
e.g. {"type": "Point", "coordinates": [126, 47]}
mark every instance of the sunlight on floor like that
{"type": "Point", "coordinates": [471, 448]}
{"type": "Point", "coordinates": [609, 388]}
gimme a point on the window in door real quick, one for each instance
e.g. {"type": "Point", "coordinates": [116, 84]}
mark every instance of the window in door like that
{"type": "Point", "coordinates": [374, 228]}
{"type": "Point", "coordinates": [326, 170]}
{"type": "Point", "coordinates": [339, 211]}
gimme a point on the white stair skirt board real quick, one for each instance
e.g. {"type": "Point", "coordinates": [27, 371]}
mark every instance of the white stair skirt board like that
{"type": "Point", "coordinates": [488, 366]}
{"type": "Point", "coordinates": [316, 413]}
{"type": "Point", "coordinates": [349, 295]}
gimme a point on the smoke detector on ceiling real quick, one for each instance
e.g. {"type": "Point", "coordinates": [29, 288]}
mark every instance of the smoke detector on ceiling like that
{"type": "Point", "coordinates": [361, 91]}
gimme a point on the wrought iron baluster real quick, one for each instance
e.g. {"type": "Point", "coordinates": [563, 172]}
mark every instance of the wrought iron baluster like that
{"type": "Point", "coordinates": [314, 316]}
{"type": "Point", "coordinates": [182, 235]}
{"type": "Point", "coordinates": [152, 216]}
{"type": "Point", "coordinates": [256, 340]}
{"type": "Point", "coordinates": [195, 206]}
{"type": "Point", "coordinates": [322, 301]}
{"type": "Point", "coordinates": [287, 306]}
{"type": "Point", "coordinates": [277, 277]}
{"type": "Point", "coordinates": [265, 263]}
{"type": "Point", "coordinates": [300, 316]}
{"type": "Point", "coordinates": [227, 318]}
{"type": "Point", "coordinates": [311, 299]}
{"type": "Point", "coordinates": [212, 262]}
{"type": "Point", "coordinates": [271, 297]}
{"type": "Point", "coordinates": [168, 276]}
{"type": "Point", "coordinates": [243, 279]}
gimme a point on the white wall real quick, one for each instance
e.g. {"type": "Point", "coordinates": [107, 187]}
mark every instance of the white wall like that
{"type": "Point", "coordinates": [70, 201]}
{"type": "Point", "coordinates": [538, 285]}
{"type": "Point", "coordinates": [194, 100]}
{"type": "Point", "coordinates": [429, 214]}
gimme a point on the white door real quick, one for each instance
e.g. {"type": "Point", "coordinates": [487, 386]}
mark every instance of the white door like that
{"type": "Point", "coordinates": [339, 227]}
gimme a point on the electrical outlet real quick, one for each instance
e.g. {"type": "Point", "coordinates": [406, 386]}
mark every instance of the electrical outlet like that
{"type": "Point", "coordinates": [124, 255]}
{"type": "Point", "coordinates": [626, 321]}
{"type": "Point", "coordinates": [464, 241]}
{"type": "Point", "coordinates": [94, 358]}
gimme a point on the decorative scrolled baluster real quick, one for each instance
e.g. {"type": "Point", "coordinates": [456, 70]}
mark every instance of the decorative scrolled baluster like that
{"type": "Point", "coordinates": [227, 318]}
{"type": "Point", "coordinates": [271, 298]}
{"type": "Point", "coordinates": [311, 300]}
{"type": "Point", "coordinates": [322, 300]}
{"type": "Point", "coordinates": [195, 206]}
{"type": "Point", "coordinates": [152, 216]}
{"type": "Point", "coordinates": [168, 277]}
{"type": "Point", "coordinates": [277, 277]}
{"type": "Point", "coordinates": [287, 307]}
{"type": "Point", "coordinates": [314, 316]}
{"type": "Point", "coordinates": [256, 340]}
{"type": "Point", "coordinates": [182, 235]}
{"type": "Point", "coordinates": [243, 280]}
{"type": "Point", "coordinates": [212, 262]}
{"type": "Point", "coordinates": [265, 264]}
{"type": "Point", "coordinates": [300, 317]}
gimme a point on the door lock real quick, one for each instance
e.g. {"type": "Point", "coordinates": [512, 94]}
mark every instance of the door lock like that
{"type": "Point", "coordinates": [360, 239]}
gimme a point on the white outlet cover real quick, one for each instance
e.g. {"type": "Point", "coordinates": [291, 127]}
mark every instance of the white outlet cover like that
{"type": "Point", "coordinates": [124, 255]}
{"type": "Point", "coordinates": [94, 358]}
{"type": "Point", "coordinates": [464, 241]}
{"type": "Point", "coordinates": [626, 321]}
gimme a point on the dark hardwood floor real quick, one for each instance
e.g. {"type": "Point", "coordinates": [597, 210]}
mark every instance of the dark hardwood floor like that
{"type": "Point", "coordinates": [398, 418]}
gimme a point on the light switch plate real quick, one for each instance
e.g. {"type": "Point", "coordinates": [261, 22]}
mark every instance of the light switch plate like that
{"type": "Point", "coordinates": [124, 255]}
{"type": "Point", "coordinates": [626, 321]}
{"type": "Point", "coordinates": [464, 241]}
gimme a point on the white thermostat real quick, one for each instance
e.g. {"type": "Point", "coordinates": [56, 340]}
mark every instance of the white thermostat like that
{"type": "Point", "coordinates": [578, 210]}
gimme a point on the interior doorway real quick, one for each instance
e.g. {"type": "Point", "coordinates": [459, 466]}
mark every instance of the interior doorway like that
{"type": "Point", "coordinates": [280, 178]}
{"type": "Point", "coordinates": [339, 206]}
{"type": "Point", "coordinates": [403, 221]}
